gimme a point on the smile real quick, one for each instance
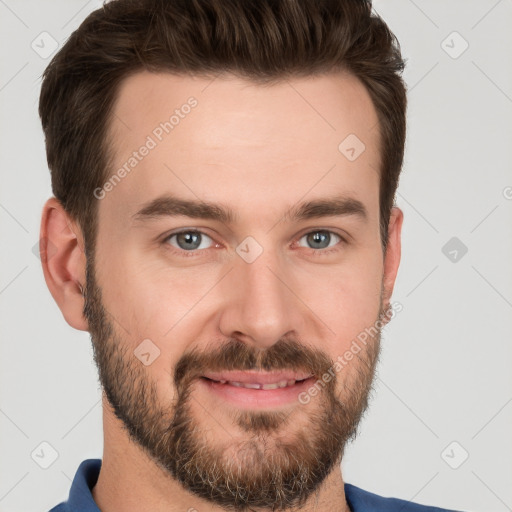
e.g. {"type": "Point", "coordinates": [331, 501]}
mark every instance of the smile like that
{"type": "Point", "coordinates": [256, 389]}
{"type": "Point", "coordinates": [257, 385]}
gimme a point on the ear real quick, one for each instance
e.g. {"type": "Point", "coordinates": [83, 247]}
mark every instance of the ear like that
{"type": "Point", "coordinates": [63, 258]}
{"type": "Point", "coordinates": [393, 254]}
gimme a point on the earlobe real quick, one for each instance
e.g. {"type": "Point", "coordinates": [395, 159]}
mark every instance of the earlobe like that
{"type": "Point", "coordinates": [393, 253]}
{"type": "Point", "coordinates": [63, 259]}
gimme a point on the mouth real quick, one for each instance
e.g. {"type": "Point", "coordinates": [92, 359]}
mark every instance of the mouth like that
{"type": "Point", "coordinates": [257, 390]}
{"type": "Point", "coordinates": [257, 385]}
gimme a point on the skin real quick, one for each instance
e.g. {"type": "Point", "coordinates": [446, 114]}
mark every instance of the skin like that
{"type": "Point", "coordinates": [253, 149]}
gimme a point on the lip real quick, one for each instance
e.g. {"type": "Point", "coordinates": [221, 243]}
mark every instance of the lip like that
{"type": "Point", "coordinates": [257, 376]}
{"type": "Point", "coordinates": [251, 399]}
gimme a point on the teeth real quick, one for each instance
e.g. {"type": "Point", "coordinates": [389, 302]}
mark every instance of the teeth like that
{"type": "Point", "coordinates": [280, 384]}
{"type": "Point", "coordinates": [249, 385]}
{"type": "Point", "coordinates": [255, 385]}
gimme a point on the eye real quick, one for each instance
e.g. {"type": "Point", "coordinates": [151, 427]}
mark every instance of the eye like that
{"type": "Point", "coordinates": [321, 239]}
{"type": "Point", "coordinates": [190, 240]}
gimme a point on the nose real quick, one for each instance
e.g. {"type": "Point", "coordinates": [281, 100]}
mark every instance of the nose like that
{"type": "Point", "coordinates": [260, 305]}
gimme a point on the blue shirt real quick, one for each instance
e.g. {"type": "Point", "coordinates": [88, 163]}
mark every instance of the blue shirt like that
{"type": "Point", "coordinates": [81, 500]}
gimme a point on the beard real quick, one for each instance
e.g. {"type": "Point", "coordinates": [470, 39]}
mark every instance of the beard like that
{"type": "Point", "coordinates": [276, 460]}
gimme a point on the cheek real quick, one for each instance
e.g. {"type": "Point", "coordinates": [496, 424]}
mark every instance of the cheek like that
{"type": "Point", "coordinates": [167, 298]}
{"type": "Point", "coordinates": [145, 291]}
{"type": "Point", "coordinates": [350, 301]}
{"type": "Point", "coordinates": [151, 300]}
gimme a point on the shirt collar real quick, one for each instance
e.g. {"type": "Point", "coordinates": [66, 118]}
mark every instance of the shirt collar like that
{"type": "Point", "coordinates": [80, 495]}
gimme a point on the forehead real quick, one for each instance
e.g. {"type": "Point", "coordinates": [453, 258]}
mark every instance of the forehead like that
{"type": "Point", "coordinates": [244, 144]}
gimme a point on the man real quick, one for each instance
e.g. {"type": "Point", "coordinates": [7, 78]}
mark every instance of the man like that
{"type": "Point", "coordinates": [223, 225]}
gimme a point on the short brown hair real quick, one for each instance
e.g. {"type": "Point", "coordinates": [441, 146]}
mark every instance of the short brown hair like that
{"type": "Point", "coordinates": [264, 41]}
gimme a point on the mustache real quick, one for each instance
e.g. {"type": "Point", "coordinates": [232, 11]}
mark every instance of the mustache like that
{"type": "Point", "coordinates": [237, 355]}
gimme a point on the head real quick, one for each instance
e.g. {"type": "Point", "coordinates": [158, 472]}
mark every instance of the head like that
{"type": "Point", "coordinates": [224, 177]}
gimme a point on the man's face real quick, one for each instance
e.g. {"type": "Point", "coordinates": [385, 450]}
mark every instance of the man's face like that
{"type": "Point", "coordinates": [272, 294]}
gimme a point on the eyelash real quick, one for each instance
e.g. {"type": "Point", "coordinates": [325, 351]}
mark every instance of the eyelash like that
{"type": "Point", "coordinates": [197, 252]}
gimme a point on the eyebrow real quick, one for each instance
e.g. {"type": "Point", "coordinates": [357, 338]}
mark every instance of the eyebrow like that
{"type": "Point", "coordinates": [169, 206]}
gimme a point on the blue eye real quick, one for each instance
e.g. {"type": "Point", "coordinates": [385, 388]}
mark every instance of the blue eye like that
{"type": "Point", "coordinates": [188, 240]}
{"type": "Point", "coordinates": [320, 239]}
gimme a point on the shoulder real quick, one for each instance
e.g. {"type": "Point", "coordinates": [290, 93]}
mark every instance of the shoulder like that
{"type": "Point", "coordinates": [62, 507]}
{"type": "Point", "coordinates": [360, 500]}
{"type": "Point", "coordinates": [80, 496]}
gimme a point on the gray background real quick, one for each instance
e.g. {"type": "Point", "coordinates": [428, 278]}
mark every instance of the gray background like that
{"type": "Point", "coordinates": [445, 371]}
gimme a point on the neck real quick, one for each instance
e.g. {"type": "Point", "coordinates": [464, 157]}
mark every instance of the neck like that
{"type": "Point", "coordinates": [129, 478]}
